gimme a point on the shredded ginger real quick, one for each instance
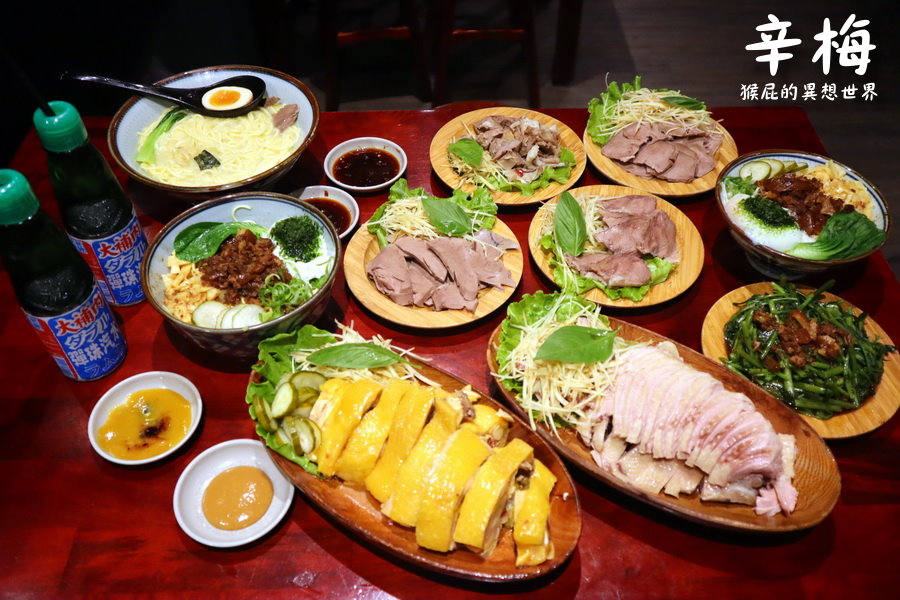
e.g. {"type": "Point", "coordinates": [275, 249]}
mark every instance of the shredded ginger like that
{"type": "Point", "coordinates": [647, 106]}
{"type": "Point", "coordinates": [554, 391]}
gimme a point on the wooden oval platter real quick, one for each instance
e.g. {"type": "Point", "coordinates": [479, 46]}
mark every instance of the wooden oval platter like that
{"type": "Point", "coordinates": [363, 247]}
{"type": "Point", "coordinates": [816, 479]}
{"type": "Point", "coordinates": [357, 511]}
{"type": "Point", "coordinates": [456, 128]}
{"type": "Point", "coordinates": [727, 152]}
{"type": "Point", "coordinates": [873, 413]}
{"type": "Point", "coordinates": [690, 247]}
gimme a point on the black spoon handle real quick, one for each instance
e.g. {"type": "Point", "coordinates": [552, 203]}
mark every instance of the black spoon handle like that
{"type": "Point", "coordinates": [169, 94]}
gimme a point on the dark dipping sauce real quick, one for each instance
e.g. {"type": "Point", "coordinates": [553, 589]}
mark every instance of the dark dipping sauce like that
{"type": "Point", "coordinates": [365, 167]}
{"type": "Point", "coordinates": [336, 212]}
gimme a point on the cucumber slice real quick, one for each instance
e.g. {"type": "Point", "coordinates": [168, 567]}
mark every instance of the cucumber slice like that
{"type": "Point", "coordinates": [207, 314]}
{"type": "Point", "coordinates": [306, 396]}
{"type": "Point", "coordinates": [308, 379]}
{"type": "Point", "coordinates": [304, 410]}
{"type": "Point", "coordinates": [755, 170]}
{"type": "Point", "coordinates": [247, 315]}
{"type": "Point", "coordinates": [795, 166]}
{"type": "Point", "coordinates": [226, 317]}
{"type": "Point", "coordinates": [285, 400]}
{"type": "Point", "coordinates": [776, 167]}
{"type": "Point", "coordinates": [282, 436]}
{"type": "Point", "coordinates": [263, 416]}
{"type": "Point", "coordinates": [303, 434]}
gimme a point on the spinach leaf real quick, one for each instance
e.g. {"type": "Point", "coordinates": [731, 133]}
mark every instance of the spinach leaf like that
{"type": "Point", "coordinates": [685, 102]}
{"type": "Point", "coordinates": [363, 355]}
{"type": "Point", "coordinates": [147, 151]}
{"type": "Point", "coordinates": [469, 150]}
{"type": "Point", "coordinates": [446, 216]}
{"type": "Point", "coordinates": [207, 242]}
{"type": "Point", "coordinates": [568, 225]}
{"type": "Point", "coordinates": [577, 344]}
{"type": "Point", "coordinates": [189, 234]}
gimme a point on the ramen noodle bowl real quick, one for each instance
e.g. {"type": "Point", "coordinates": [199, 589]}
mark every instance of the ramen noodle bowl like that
{"type": "Point", "coordinates": [244, 146]}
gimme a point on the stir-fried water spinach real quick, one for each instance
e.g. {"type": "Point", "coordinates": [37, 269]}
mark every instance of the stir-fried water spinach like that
{"type": "Point", "coordinates": [814, 356]}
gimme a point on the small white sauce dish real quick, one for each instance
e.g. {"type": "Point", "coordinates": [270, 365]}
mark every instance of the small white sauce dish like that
{"type": "Point", "coordinates": [358, 144]}
{"type": "Point", "coordinates": [336, 194]}
{"type": "Point", "coordinates": [188, 496]}
{"type": "Point", "coordinates": [119, 393]}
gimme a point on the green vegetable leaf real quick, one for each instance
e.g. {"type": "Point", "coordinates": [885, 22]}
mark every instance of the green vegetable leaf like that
{"type": "Point", "coordinates": [189, 234]}
{"type": "Point", "coordinates": [207, 242]}
{"type": "Point", "coordinates": [738, 185]}
{"type": "Point", "coordinates": [147, 151]}
{"type": "Point", "coordinates": [468, 150]}
{"type": "Point", "coordinates": [577, 344]}
{"type": "Point", "coordinates": [845, 235]}
{"type": "Point", "coordinates": [446, 216]}
{"type": "Point", "coordinates": [363, 355]}
{"type": "Point", "coordinates": [601, 109]}
{"type": "Point", "coordinates": [569, 226]}
{"type": "Point", "coordinates": [685, 102]}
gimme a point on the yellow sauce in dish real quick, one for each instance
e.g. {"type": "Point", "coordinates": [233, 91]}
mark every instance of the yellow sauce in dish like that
{"type": "Point", "coordinates": [237, 497]}
{"type": "Point", "coordinates": [147, 424]}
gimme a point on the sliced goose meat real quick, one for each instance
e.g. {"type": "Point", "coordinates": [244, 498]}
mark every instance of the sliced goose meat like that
{"type": "Point", "coordinates": [419, 251]}
{"type": "Point", "coordinates": [390, 274]}
{"type": "Point", "coordinates": [456, 254]}
{"type": "Point", "coordinates": [613, 270]}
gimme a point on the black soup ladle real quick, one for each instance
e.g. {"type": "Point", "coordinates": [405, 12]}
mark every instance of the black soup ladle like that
{"type": "Point", "coordinates": [189, 97]}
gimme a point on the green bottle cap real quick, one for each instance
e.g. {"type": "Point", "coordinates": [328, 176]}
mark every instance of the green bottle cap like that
{"type": "Point", "coordinates": [17, 200]}
{"type": "Point", "coordinates": [63, 131]}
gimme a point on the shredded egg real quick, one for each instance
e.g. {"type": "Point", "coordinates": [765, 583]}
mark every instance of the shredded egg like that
{"type": "Point", "coordinates": [226, 98]}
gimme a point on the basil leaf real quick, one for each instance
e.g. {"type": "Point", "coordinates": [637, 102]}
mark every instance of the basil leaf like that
{"type": "Point", "coordinates": [685, 102]}
{"type": "Point", "coordinates": [577, 344]}
{"type": "Point", "coordinates": [568, 225]}
{"type": "Point", "coordinates": [207, 242]}
{"type": "Point", "coordinates": [467, 149]}
{"type": "Point", "coordinates": [363, 355]}
{"type": "Point", "coordinates": [446, 216]}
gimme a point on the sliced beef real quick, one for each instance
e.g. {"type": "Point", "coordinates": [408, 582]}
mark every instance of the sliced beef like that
{"type": "Point", "coordinates": [657, 155]}
{"type": "Point", "coordinates": [613, 270]}
{"type": "Point", "coordinates": [285, 116]}
{"type": "Point", "coordinates": [390, 274]}
{"type": "Point", "coordinates": [664, 151]}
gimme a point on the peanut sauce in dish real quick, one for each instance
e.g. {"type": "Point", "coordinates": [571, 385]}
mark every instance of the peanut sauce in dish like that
{"type": "Point", "coordinates": [237, 497]}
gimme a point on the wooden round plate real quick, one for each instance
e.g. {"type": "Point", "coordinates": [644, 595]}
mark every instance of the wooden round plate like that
{"type": "Point", "coordinates": [872, 414]}
{"type": "Point", "coordinates": [816, 477]}
{"type": "Point", "coordinates": [727, 152]}
{"type": "Point", "coordinates": [359, 512]}
{"type": "Point", "coordinates": [363, 247]}
{"type": "Point", "coordinates": [456, 128]}
{"type": "Point", "coordinates": [690, 248]}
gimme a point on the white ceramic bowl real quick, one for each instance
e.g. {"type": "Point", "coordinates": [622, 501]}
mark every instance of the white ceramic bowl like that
{"type": "Point", "coordinates": [118, 393]}
{"type": "Point", "coordinates": [139, 111]}
{"type": "Point", "coordinates": [188, 496]}
{"type": "Point", "coordinates": [336, 194]}
{"type": "Point", "coordinates": [360, 143]}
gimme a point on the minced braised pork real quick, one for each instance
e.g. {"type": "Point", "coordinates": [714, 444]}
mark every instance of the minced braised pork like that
{"type": "Point", "coordinates": [241, 266]}
{"type": "Point", "coordinates": [804, 198]}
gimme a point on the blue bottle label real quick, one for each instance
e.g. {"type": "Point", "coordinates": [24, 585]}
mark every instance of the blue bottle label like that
{"type": "Point", "coordinates": [86, 342]}
{"type": "Point", "coordinates": [116, 262]}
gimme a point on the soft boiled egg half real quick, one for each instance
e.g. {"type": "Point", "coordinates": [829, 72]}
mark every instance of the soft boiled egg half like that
{"type": "Point", "coordinates": [226, 97]}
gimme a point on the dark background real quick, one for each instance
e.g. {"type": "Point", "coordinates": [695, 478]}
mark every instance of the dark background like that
{"type": "Point", "coordinates": [695, 46]}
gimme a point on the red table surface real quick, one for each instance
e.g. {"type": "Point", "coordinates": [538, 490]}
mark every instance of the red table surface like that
{"type": "Point", "coordinates": [73, 524]}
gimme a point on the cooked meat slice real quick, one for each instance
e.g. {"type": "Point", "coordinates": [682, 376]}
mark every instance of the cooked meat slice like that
{"type": "Point", "coordinates": [422, 284]}
{"type": "Point", "coordinates": [500, 146]}
{"type": "Point", "coordinates": [418, 250]}
{"type": "Point", "coordinates": [497, 241]}
{"type": "Point", "coordinates": [270, 100]}
{"type": "Point", "coordinates": [390, 274]}
{"type": "Point", "coordinates": [285, 116]}
{"type": "Point", "coordinates": [639, 170]}
{"type": "Point", "coordinates": [489, 269]}
{"type": "Point", "coordinates": [626, 237]}
{"type": "Point", "coordinates": [657, 155]}
{"type": "Point", "coordinates": [613, 270]}
{"type": "Point", "coordinates": [621, 146]}
{"type": "Point", "coordinates": [455, 253]}
{"type": "Point", "coordinates": [632, 204]}
{"type": "Point", "coordinates": [447, 296]}
{"type": "Point", "coordinates": [683, 168]}
{"type": "Point", "coordinates": [660, 237]}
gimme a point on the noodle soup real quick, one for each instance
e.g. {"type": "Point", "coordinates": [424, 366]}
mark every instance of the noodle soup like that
{"type": "Point", "coordinates": [187, 149]}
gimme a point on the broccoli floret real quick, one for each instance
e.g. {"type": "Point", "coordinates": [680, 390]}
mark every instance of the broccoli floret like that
{"type": "Point", "coordinates": [299, 238]}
